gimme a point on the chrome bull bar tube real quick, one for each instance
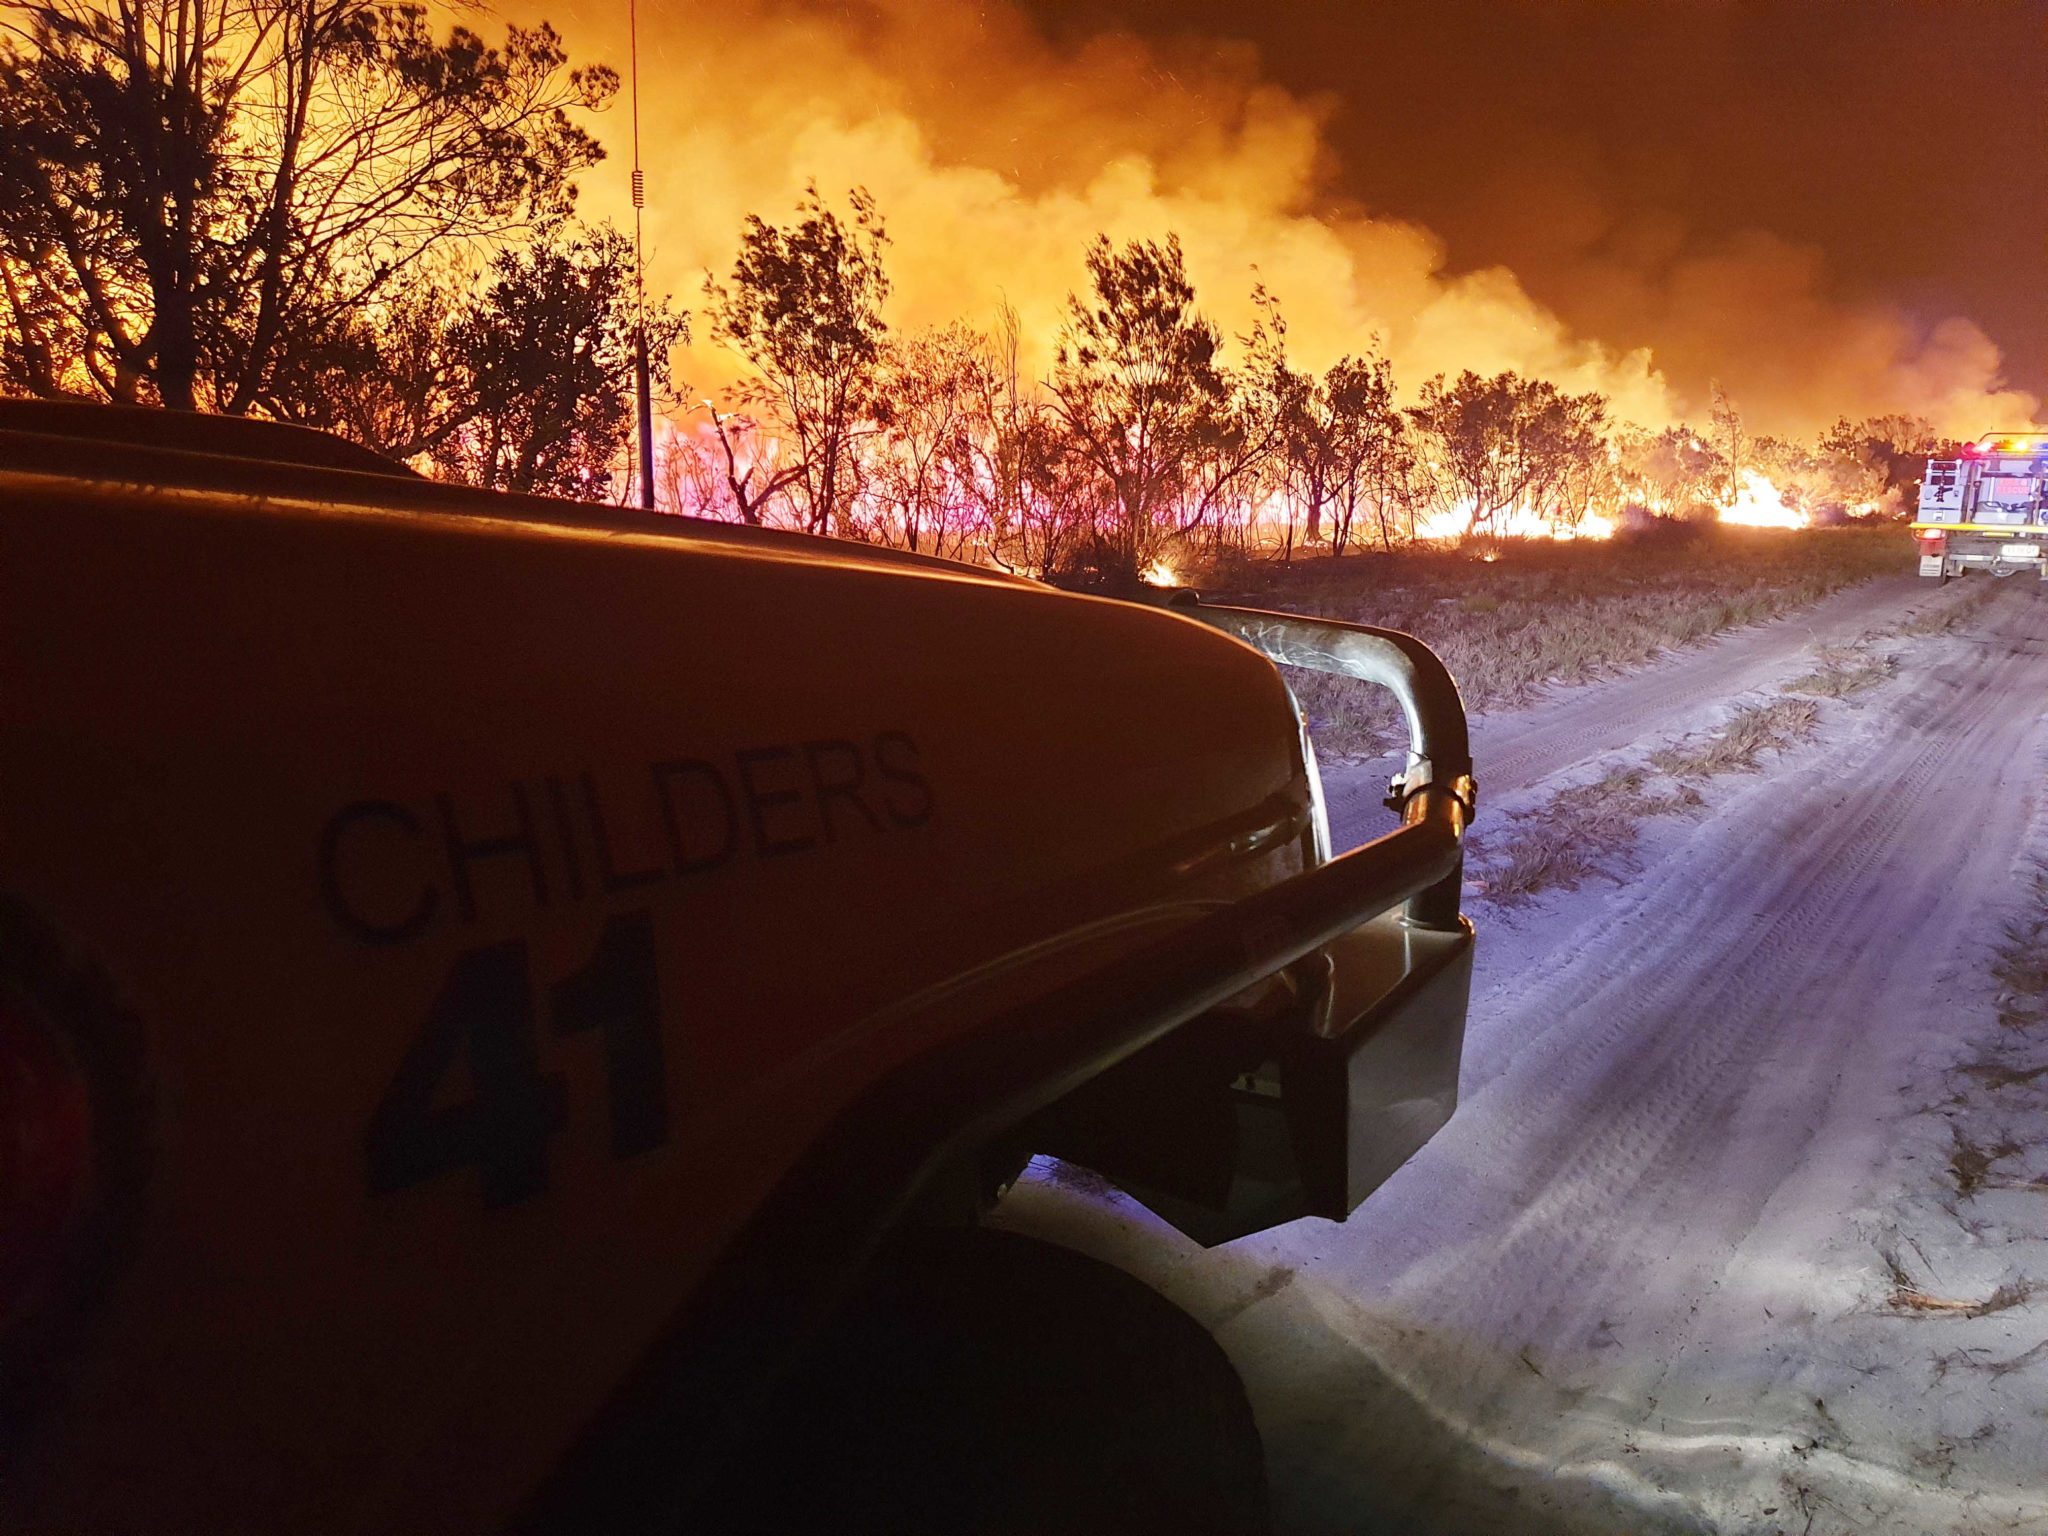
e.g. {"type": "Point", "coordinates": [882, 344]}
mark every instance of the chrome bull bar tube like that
{"type": "Point", "coordinates": [1439, 743]}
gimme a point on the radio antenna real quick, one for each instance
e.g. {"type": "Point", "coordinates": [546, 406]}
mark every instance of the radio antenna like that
{"type": "Point", "coordinates": [641, 381]}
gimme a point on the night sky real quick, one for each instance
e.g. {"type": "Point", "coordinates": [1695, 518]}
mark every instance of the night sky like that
{"type": "Point", "coordinates": [1586, 142]}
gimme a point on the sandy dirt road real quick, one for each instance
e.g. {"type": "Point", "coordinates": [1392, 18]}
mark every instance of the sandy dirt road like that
{"type": "Point", "coordinates": [1637, 1283]}
{"type": "Point", "coordinates": [1517, 748]}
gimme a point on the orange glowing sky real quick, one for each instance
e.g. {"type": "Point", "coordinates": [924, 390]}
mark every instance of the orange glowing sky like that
{"type": "Point", "coordinates": [998, 142]}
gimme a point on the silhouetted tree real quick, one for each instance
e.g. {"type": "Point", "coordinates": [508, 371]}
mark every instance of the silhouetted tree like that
{"type": "Point", "coordinates": [543, 367]}
{"type": "Point", "coordinates": [1668, 471]}
{"type": "Point", "coordinates": [1732, 442]}
{"type": "Point", "coordinates": [1137, 390]}
{"type": "Point", "coordinates": [1234, 465]}
{"type": "Point", "coordinates": [749, 465]}
{"type": "Point", "coordinates": [193, 193]}
{"type": "Point", "coordinates": [803, 309]}
{"type": "Point", "coordinates": [1885, 456]}
{"type": "Point", "coordinates": [1497, 443]}
{"type": "Point", "coordinates": [1345, 448]}
{"type": "Point", "coordinates": [1565, 438]}
{"type": "Point", "coordinates": [1029, 493]}
{"type": "Point", "coordinates": [932, 389]}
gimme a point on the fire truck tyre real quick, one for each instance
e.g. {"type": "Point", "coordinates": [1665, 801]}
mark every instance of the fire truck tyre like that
{"type": "Point", "coordinates": [986, 1382]}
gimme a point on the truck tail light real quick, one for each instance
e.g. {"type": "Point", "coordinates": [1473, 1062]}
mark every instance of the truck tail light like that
{"type": "Point", "coordinates": [45, 1156]}
{"type": "Point", "coordinates": [1933, 542]}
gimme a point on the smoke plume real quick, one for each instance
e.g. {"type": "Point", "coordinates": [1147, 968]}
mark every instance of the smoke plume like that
{"type": "Point", "coordinates": [997, 155]}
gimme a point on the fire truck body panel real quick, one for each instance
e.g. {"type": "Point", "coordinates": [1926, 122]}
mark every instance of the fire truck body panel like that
{"type": "Point", "coordinates": [506, 898]}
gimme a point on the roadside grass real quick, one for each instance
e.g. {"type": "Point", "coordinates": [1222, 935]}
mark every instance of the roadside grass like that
{"type": "Point", "coordinates": [1739, 746]}
{"type": "Point", "coordinates": [1910, 1298]}
{"type": "Point", "coordinates": [2021, 965]}
{"type": "Point", "coordinates": [1539, 612]}
{"type": "Point", "coordinates": [1587, 830]}
{"type": "Point", "coordinates": [2012, 1061]}
{"type": "Point", "coordinates": [1971, 1161]}
{"type": "Point", "coordinates": [1994, 1123]}
{"type": "Point", "coordinates": [1943, 620]}
{"type": "Point", "coordinates": [1995, 1369]}
{"type": "Point", "coordinates": [1843, 670]}
{"type": "Point", "coordinates": [1592, 829]}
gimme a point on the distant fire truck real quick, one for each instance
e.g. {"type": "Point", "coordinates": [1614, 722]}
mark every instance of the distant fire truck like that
{"type": "Point", "coordinates": [1984, 509]}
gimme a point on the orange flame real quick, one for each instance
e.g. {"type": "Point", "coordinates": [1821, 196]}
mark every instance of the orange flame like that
{"type": "Point", "coordinates": [1760, 504]}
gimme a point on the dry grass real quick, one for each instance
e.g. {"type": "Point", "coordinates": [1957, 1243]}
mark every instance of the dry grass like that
{"type": "Point", "coordinates": [2021, 965]}
{"type": "Point", "coordinates": [1994, 1074]}
{"type": "Point", "coordinates": [1942, 620]}
{"type": "Point", "coordinates": [1908, 1298]}
{"type": "Point", "coordinates": [1584, 831]}
{"type": "Point", "coordinates": [1843, 670]}
{"type": "Point", "coordinates": [1739, 745]}
{"type": "Point", "coordinates": [1592, 829]}
{"type": "Point", "coordinates": [1544, 612]}
{"type": "Point", "coordinates": [1990, 1137]}
{"type": "Point", "coordinates": [1995, 1369]}
{"type": "Point", "coordinates": [1970, 1162]}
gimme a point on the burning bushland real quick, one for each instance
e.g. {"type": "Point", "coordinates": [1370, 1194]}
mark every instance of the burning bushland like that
{"type": "Point", "coordinates": [338, 214]}
{"type": "Point", "coordinates": [1155, 443]}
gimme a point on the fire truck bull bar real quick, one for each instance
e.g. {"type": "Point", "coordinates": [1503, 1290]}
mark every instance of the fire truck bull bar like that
{"type": "Point", "coordinates": [654, 1450]}
{"type": "Point", "coordinates": [1439, 745]}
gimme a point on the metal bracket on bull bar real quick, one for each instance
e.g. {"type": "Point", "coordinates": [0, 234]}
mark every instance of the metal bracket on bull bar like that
{"type": "Point", "coordinates": [1420, 775]}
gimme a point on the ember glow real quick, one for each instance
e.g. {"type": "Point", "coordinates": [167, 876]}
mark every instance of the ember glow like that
{"type": "Point", "coordinates": [1454, 524]}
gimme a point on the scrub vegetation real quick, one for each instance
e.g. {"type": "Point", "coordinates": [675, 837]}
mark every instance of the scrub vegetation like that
{"type": "Point", "coordinates": [1842, 670]}
{"type": "Point", "coordinates": [1738, 747]}
{"type": "Point", "coordinates": [1587, 830]}
{"type": "Point", "coordinates": [368, 224]}
{"type": "Point", "coordinates": [1591, 829]}
{"type": "Point", "coordinates": [1514, 617]}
